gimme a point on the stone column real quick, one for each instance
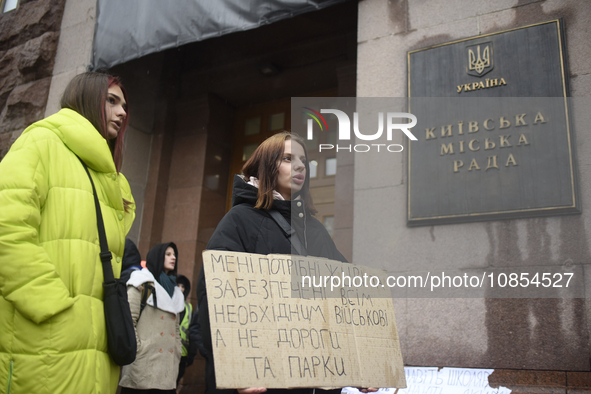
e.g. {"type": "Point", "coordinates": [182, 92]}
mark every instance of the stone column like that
{"type": "Point", "coordinates": [74, 50]}
{"type": "Point", "coordinates": [28, 43]}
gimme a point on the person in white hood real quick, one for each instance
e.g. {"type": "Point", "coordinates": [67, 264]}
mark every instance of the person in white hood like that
{"type": "Point", "coordinates": [155, 302]}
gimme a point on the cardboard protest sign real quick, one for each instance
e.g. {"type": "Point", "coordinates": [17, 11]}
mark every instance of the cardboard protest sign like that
{"type": "Point", "coordinates": [282, 321]}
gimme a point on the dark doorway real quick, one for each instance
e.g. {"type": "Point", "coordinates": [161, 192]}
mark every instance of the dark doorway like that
{"type": "Point", "coordinates": [192, 105]}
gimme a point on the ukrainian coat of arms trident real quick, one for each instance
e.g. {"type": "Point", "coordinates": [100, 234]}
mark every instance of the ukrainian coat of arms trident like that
{"type": "Point", "coordinates": [480, 59]}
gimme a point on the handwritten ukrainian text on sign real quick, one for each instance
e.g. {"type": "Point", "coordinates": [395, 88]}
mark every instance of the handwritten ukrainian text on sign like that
{"type": "Point", "coordinates": [270, 329]}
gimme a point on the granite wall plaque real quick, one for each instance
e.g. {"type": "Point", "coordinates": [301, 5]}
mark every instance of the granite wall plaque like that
{"type": "Point", "coordinates": [494, 134]}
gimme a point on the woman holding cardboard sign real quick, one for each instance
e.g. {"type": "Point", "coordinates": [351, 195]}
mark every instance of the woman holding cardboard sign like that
{"type": "Point", "coordinates": [272, 195]}
{"type": "Point", "coordinates": [276, 179]}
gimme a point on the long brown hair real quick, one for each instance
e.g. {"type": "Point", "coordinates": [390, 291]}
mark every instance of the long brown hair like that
{"type": "Point", "coordinates": [86, 94]}
{"type": "Point", "coordinates": [264, 165]}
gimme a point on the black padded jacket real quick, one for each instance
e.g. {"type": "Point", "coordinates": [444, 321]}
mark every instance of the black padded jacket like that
{"type": "Point", "coordinates": [248, 229]}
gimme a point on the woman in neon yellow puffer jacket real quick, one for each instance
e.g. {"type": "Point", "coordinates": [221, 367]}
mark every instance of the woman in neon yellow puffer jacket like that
{"type": "Point", "coordinates": [52, 325]}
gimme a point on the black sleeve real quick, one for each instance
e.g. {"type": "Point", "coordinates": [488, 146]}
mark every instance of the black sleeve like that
{"type": "Point", "coordinates": [203, 314]}
{"type": "Point", "coordinates": [335, 253]}
{"type": "Point", "coordinates": [194, 338]}
{"type": "Point", "coordinates": [231, 232]}
{"type": "Point", "coordinates": [324, 244]}
{"type": "Point", "coordinates": [229, 235]}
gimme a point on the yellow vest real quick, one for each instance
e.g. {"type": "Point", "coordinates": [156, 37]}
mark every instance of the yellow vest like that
{"type": "Point", "coordinates": [185, 328]}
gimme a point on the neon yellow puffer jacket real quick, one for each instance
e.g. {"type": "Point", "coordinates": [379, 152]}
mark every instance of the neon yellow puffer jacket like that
{"type": "Point", "coordinates": [52, 325]}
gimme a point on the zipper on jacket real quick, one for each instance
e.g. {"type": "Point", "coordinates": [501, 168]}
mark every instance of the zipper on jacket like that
{"type": "Point", "coordinates": [10, 376]}
{"type": "Point", "coordinates": [306, 246]}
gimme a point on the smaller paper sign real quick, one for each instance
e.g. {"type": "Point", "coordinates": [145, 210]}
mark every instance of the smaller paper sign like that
{"type": "Point", "coordinates": [283, 321]}
{"type": "Point", "coordinates": [433, 380]}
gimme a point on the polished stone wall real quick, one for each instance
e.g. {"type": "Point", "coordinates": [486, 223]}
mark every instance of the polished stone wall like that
{"type": "Point", "coordinates": [527, 334]}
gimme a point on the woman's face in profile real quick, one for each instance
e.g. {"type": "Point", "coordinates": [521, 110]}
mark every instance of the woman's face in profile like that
{"type": "Point", "coordinates": [115, 111]}
{"type": "Point", "coordinates": [292, 170]}
{"type": "Point", "coordinates": [169, 260]}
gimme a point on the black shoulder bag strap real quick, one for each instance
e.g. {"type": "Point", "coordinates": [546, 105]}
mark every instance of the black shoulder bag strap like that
{"type": "Point", "coordinates": [289, 231]}
{"type": "Point", "coordinates": [105, 254]}
{"type": "Point", "coordinates": [121, 338]}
